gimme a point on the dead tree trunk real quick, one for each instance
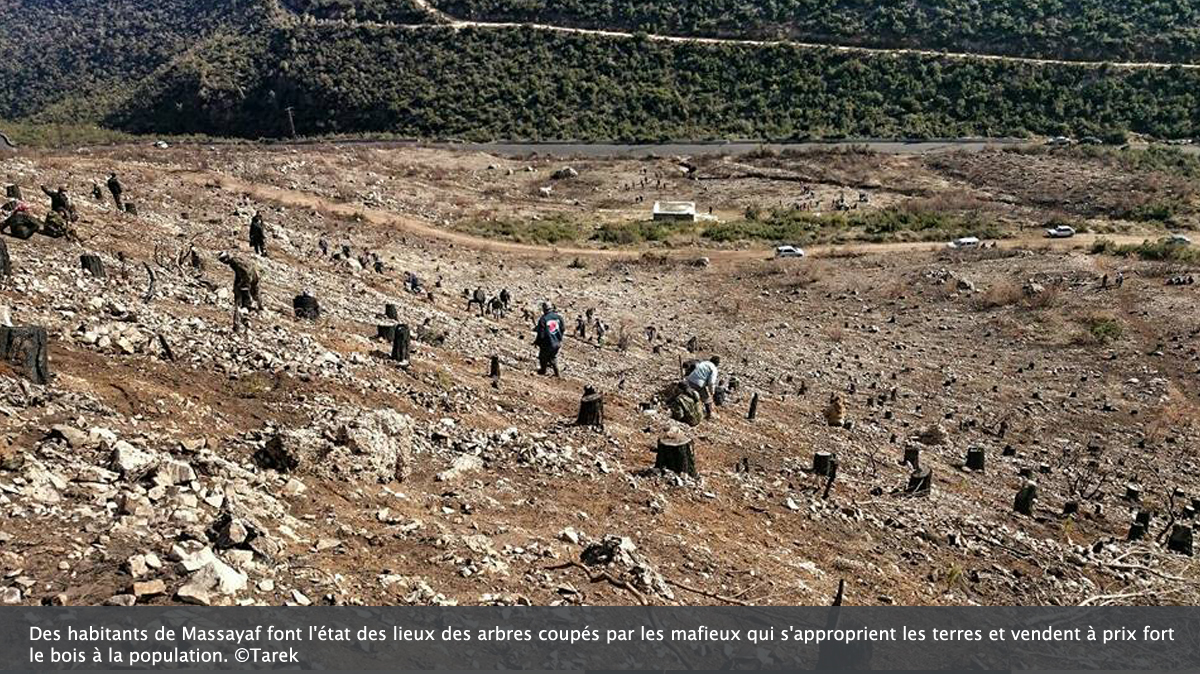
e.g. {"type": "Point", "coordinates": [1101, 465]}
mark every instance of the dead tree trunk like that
{"type": "Point", "coordinates": [1181, 539]}
{"type": "Point", "coordinates": [494, 369]}
{"type": "Point", "coordinates": [832, 475]}
{"type": "Point", "coordinates": [920, 482]}
{"type": "Point", "coordinates": [25, 351]}
{"type": "Point", "coordinates": [753, 413]}
{"type": "Point", "coordinates": [842, 655]}
{"type": "Point", "coordinates": [912, 456]}
{"type": "Point", "coordinates": [401, 344]}
{"type": "Point", "coordinates": [975, 459]}
{"type": "Point", "coordinates": [306, 307]}
{"type": "Point", "coordinates": [675, 454]}
{"type": "Point", "coordinates": [392, 312]}
{"type": "Point", "coordinates": [1025, 498]}
{"type": "Point", "coordinates": [591, 409]}
{"type": "Point", "coordinates": [821, 462]}
{"type": "Point", "coordinates": [92, 264]}
{"type": "Point", "coordinates": [5, 261]}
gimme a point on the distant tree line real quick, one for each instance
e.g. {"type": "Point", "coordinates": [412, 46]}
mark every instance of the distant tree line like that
{"type": "Point", "coordinates": [531, 84]}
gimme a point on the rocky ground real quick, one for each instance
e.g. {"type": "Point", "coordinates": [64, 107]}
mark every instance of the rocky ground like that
{"type": "Point", "coordinates": [174, 459]}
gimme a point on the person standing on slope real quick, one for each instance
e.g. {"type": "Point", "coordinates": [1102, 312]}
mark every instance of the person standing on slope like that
{"type": "Point", "coordinates": [549, 339]}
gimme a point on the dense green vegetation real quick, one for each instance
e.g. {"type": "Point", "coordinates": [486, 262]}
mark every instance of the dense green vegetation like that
{"type": "Point", "coordinates": [229, 69]}
{"type": "Point", "coordinates": [1158, 30]}
{"type": "Point", "coordinates": [73, 60]}
{"type": "Point", "coordinates": [530, 84]}
{"type": "Point", "coordinates": [396, 11]}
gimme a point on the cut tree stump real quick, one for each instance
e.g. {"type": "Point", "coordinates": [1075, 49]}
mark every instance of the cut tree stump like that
{"type": "Point", "coordinates": [920, 482]}
{"type": "Point", "coordinates": [392, 312]}
{"type": "Point", "coordinates": [975, 459]}
{"type": "Point", "coordinates": [591, 409]}
{"type": "Point", "coordinates": [1181, 539]}
{"type": "Point", "coordinates": [1070, 508]}
{"type": "Point", "coordinates": [675, 454]}
{"type": "Point", "coordinates": [753, 413]}
{"type": "Point", "coordinates": [13, 192]}
{"type": "Point", "coordinates": [1133, 493]}
{"type": "Point", "coordinates": [822, 462]}
{"type": "Point", "coordinates": [5, 260]}
{"type": "Point", "coordinates": [306, 307]}
{"type": "Point", "coordinates": [1137, 531]}
{"type": "Point", "coordinates": [912, 456]}
{"type": "Point", "coordinates": [494, 368]}
{"type": "Point", "coordinates": [92, 264]}
{"type": "Point", "coordinates": [1025, 498]}
{"type": "Point", "coordinates": [386, 332]}
{"type": "Point", "coordinates": [131, 208]}
{"type": "Point", "coordinates": [25, 350]}
{"type": "Point", "coordinates": [402, 344]}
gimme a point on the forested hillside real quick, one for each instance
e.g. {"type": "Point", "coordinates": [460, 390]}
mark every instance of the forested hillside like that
{"type": "Point", "coordinates": [396, 11]}
{"type": "Point", "coordinates": [1158, 30]}
{"type": "Point", "coordinates": [232, 67]}
{"type": "Point", "coordinates": [79, 58]}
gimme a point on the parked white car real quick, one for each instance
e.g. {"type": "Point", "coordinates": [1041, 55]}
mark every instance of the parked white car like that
{"type": "Point", "coordinates": [1177, 240]}
{"type": "Point", "coordinates": [789, 251]}
{"type": "Point", "coordinates": [965, 242]}
{"type": "Point", "coordinates": [1060, 232]}
{"type": "Point", "coordinates": [1058, 141]}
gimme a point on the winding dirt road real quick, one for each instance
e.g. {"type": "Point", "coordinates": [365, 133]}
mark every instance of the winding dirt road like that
{"type": "Point", "coordinates": [425, 229]}
{"type": "Point", "coordinates": [439, 18]}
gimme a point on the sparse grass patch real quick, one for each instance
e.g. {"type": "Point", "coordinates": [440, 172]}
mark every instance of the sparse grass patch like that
{"type": "Point", "coordinates": [550, 230]}
{"type": "Point", "coordinates": [891, 224]}
{"type": "Point", "coordinates": [1099, 328]}
{"type": "Point", "coordinates": [1157, 251]}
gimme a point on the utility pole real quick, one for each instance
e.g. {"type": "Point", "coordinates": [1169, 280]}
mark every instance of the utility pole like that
{"type": "Point", "coordinates": [291, 121]}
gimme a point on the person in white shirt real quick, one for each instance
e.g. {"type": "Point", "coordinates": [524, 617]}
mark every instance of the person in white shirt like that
{"type": "Point", "coordinates": [703, 380]}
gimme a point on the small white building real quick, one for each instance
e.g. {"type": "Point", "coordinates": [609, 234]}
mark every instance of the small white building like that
{"type": "Point", "coordinates": [677, 211]}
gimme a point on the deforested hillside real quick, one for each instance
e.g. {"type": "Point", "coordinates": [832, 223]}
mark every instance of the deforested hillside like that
{"type": "Point", "coordinates": [1100, 30]}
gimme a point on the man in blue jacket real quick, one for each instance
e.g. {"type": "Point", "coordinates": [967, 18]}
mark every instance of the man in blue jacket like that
{"type": "Point", "coordinates": [549, 339]}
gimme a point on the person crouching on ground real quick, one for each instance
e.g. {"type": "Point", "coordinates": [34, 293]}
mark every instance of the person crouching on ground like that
{"type": "Point", "coordinates": [703, 380]}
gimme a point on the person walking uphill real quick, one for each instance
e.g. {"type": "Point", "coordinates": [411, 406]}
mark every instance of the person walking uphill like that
{"type": "Point", "coordinates": [114, 186]}
{"type": "Point", "coordinates": [703, 380]}
{"type": "Point", "coordinates": [549, 339]}
{"type": "Point", "coordinates": [258, 235]}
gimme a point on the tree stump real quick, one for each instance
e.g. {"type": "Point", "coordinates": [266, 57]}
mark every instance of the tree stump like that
{"type": "Point", "coordinates": [591, 409]}
{"type": "Point", "coordinates": [1137, 531]}
{"type": "Point", "coordinates": [920, 482]}
{"type": "Point", "coordinates": [1133, 493]}
{"type": "Point", "coordinates": [822, 463]}
{"type": "Point", "coordinates": [25, 350]}
{"type": "Point", "coordinates": [753, 413]}
{"type": "Point", "coordinates": [5, 261]}
{"type": "Point", "coordinates": [13, 192]}
{"type": "Point", "coordinates": [306, 307]}
{"type": "Point", "coordinates": [1070, 508]}
{"type": "Point", "coordinates": [1025, 498]}
{"type": "Point", "coordinates": [494, 368]}
{"type": "Point", "coordinates": [912, 456]}
{"type": "Point", "coordinates": [1181, 539]}
{"type": "Point", "coordinates": [675, 454]}
{"type": "Point", "coordinates": [131, 208]}
{"type": "Point", "coordinates": [92, 264]}
{"type": "Point", "coordinates": [975, 459]}
{"type": "Point", "coordinates": [386, 332]}
{"type": "Point", "coordinates": [402, 344]}
{"type": "Point", "coordinates": [1143, 517]}
{"type": "Point", "coordinates": [391, 311]}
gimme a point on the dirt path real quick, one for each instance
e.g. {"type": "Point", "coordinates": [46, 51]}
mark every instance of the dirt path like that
{"type": "Point", "coordinates": [440, 18]}
{"type": "Point", "coordinates": [411, 225]}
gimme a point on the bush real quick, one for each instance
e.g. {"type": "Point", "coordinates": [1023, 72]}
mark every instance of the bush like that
{"type": "Point", "coordinates": [1157, 251]}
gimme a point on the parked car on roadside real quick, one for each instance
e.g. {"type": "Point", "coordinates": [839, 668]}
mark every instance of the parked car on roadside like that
{"type": "Point", "coordinates": [964, 242]}
{"type": "Point", "coordinates": [789, 251]}
{"type": "Point", "coordinates": [1177, 240]}
{"type": "Point", "coordinates": [1060, 232]}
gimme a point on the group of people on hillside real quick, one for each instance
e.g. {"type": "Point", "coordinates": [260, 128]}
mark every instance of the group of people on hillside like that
{"type": "Point", "coordinates": [59, 221]}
